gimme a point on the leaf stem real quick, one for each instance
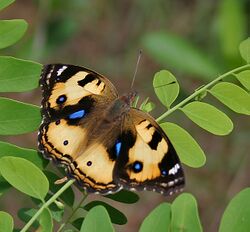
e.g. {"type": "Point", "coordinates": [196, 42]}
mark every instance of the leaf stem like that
{"type": "Point", "coordinates": [197, 92]}
{"type": "Point", "coordinates": [73, 212]}
{"type": "Point", "coordinates": [50, 201]}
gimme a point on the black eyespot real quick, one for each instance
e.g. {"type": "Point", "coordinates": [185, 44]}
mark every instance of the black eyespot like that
{"type": "Point", "coordinates": [137, 166]}
{"type": "Point", "coordinates": [61, 99]}
{"type": "Point", "coordinates": [58, 122]}
{"type": "Point", "coordinates": [89, 163]}
{"type": "Point", "coordinates": [65, 142]}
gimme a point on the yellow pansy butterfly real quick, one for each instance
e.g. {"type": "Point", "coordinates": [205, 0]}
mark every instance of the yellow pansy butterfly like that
{"type": "Point", "coordinates": [104, 143]}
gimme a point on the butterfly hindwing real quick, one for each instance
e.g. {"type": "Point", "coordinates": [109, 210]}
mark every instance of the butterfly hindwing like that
{"type": "Point", "coordinates": [68, 133]}
{"type": "Point", "coordinates": [147, 160]}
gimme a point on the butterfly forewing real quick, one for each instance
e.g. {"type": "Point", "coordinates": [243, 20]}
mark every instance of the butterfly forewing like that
{"type": "Point", "coordinates": [67, 88]}
{"type": "Point", "coordinates": [147, 159]}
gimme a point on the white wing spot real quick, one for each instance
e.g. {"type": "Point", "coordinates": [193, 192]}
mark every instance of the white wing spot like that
{"type": "Point", "coordinates": [174, 170]}
{"type": "Point", "coordinates": [59, 71]}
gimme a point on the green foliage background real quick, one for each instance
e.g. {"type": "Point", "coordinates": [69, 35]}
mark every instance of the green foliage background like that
{"type": "Point", "coordinates": [196, 41]}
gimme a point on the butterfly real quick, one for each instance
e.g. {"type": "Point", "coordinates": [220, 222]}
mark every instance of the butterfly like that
{"type": "Point", "coordinates": [103, 142]}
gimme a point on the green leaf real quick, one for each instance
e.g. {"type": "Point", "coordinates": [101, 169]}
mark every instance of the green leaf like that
{"type": "Point", "coordinates": [185, 216]}
{"type": "Point", "coordinates": [92, 224]}
{"type": "Point", "coordinates": [166, 87]}
{"type": "Point", "coordinates": [7, 149]}
{"type": "Point", "coordinates": [24, 176]}
{"type": "Point", "coordinates": [124, 196]}
{"type": "Point", "coordinates": [176, 52]}
{"type": "Point", "coordinates": [17, 117]}
{"type": "Point", "coordinates": [5, 3]}
{"type": "Point", "coordinates": [45, 221]}
{"type": "Point", "coordinates": [244, 78]}
{"type": "Point", "coordinates": [147, 106]}
{"type": "Point", "coordinates": [208, 117]}
{"type": "Point", "coordinates": [158, 219]}
{"type": "Point", "coordinates": [245, 50]}
{"type": "Point", "coordinates": [11, 31]}
{"type": "Point", "coordinates": [237, 214]}
{"type": "Point", "coordinates": [18, 75]}
{"type": "Point", "coordinates": [67, 196]}
{"type": "Point", "coordinates": [6, 222]}
{"type": "Point", "coordinates": [25, 214]}
{"type": "Point", "coordinates": [231, 26]}
{"type": "Point", "coordinates": [115, 215]}
{"type": "Point", "coordinates": [234, 97]}
{"type": "Point", "coordinates": [187, 148]}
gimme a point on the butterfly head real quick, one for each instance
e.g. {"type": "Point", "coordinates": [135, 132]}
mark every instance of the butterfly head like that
{"type": "Point", "coordinates": [128, 98]}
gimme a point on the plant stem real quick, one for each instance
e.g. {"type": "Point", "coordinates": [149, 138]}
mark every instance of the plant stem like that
{"type": "Point", "coordinates": [196, 93]}
{"type": "Point", "coordinates": [73, 212]}
{"type": "Point", "coordinates": [50, 201]}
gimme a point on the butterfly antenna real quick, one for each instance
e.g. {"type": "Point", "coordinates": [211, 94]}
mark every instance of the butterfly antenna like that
{"type": "Point", "coordinates": [136, 68]}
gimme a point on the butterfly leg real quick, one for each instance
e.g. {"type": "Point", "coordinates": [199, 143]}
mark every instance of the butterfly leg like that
{"type": "Point", "coordinates": [62, 180]}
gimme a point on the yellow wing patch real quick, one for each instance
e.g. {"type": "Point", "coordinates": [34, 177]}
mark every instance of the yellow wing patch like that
{"type": "Point", "coordinates": [73, 89]}
{"type": "Point", "coordinates": [142, 152]}
{"type": "Point", "coordinates": [94, 168]}
{"type": "Point", "coordinates": [64, 142]}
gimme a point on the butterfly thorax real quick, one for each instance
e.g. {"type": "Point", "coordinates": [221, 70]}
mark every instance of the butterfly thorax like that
{"type": "Point", "coordinates": [121, 106]}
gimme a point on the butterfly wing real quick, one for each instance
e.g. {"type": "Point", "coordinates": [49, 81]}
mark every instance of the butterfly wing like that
{"type": "Point", "coordinates": [67, 87]}
{"type": "Point", "coordinates": [147, 160]}
{"type": "Point", "coordinates": [74, 99]}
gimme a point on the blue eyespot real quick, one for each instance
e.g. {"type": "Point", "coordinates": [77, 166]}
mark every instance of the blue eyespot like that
{"type": "Point", "coordinates": [118, 146]}
{"type": "Point", "coordinates": [137, 166]}
{"type": "Point", "coordinates": [164, 172]}
{"type": "Point", "coordinates": [77, 115]}
{"type": "Point", "coordinates": [61, 99]}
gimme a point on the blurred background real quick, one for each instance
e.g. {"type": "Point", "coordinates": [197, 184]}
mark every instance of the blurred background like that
{"type": "Point", "coordinates": [194, 39]}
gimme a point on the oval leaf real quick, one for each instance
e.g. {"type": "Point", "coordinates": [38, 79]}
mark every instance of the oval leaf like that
{"type": "Point", "coordinates": [24, 176]}
{"type": "Point", "coordinates": [6, 222]}
{"type": "Point", "coordinates": [185, 216]}
{"type": "Point", "coordinates": [11, 31]}
{"type": "Point", "coordinates": [234, 97]}
{"type": "Point", "coordinates": [18, 75]}
{"type": "Point", "coordinates": [45, 221]}
{"type": "Point", "coordinates": [124, 196]}
{"type": "Point", "coordinates": [244, 78]}
{"type": "Point", "coordinates": [17, 117]}
{"type": "Point", "coordinates": [187, 148]}
{"type": "Point", "coordinates": [237, 214]}
{"type": "Point", "coordinates": [5, 3]}
{"type": "Point", "coordinates": [7, 149]}
{"type": "Point", "coordinates": [115, 215]}
{"type": "Point", "coordinates": [158, 220]}
{"type": "Point", "coordinates": [245, 49]}
{"type": "Point", "coordinates": [176, 52]}
{"type": "Point", "coordinates": [97, 220]}
{"type": "Point", "coordinates": [208, 117]}
{"type": "Point", "coordinates": [166, 87]}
